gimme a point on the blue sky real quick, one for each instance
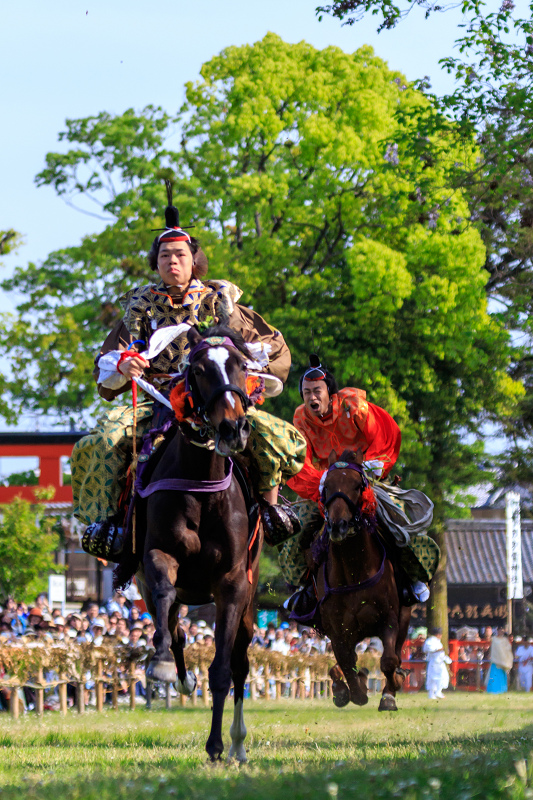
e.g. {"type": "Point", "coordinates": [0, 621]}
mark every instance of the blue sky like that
{"type": "Point", "coordinates": [73, 58]}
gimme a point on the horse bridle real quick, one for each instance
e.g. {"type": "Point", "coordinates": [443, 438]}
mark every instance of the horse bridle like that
{"type": "Point", "coordinates": [202, 407]}
{"type": "Point", "coordinates": [348, 500]}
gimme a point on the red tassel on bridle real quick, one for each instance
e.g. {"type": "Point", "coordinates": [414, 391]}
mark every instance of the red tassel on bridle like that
{"type": "Point", "coordinates": [369, 504]}
{"type": "Point", "coordinates": [181, 401]}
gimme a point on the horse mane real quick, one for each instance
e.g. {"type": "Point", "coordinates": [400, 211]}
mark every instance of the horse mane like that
{"type": "Point", "coordinates": [222, 329]}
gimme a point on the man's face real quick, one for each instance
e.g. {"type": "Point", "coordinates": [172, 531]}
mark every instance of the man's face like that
{"type": "Point", "coordinates": [174, 263]}
{"type": "Point", "coordinates": [92, 612]}
{"type": "Point", "coordinates": [122, 627]}
{"type": "Point", "coordinates": [316, 397]}
{"type": "Point", "coordinates": [135, 635]}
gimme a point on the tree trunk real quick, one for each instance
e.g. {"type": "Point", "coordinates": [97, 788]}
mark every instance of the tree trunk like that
{"type": "Point", "coordinates": [437, 605]}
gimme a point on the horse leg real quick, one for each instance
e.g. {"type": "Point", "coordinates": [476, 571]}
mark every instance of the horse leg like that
{"type": "Point", "coordinates": [186, 682]}
{"type": "Point", "coordinates": [240, 666]}
{"type": "Point", "coordinates": [230, 603]}
{"type": "Point", "coordinates": [391, 666]}
{"type": "Point", "coordinates": [356, 691]}
{"type": "Point", "coordinates": [404, 621]}
{"type": "Point", "coordinates": [160, 572]}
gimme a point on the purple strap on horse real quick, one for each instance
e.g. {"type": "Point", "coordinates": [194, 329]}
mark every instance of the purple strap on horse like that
{"type": "Point", "coordinates": [186, 485]}
{"type": "Point", "coordinates": [211, 341]}
{"type": "Point", "coordinates": [354, 587]}
{"type": "Point", "coordinates": [349, 465]}
{"type": "Point", "coordinates": [321, 547]}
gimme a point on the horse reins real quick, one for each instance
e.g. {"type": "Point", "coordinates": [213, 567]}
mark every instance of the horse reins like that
{"type": "Point", "coordinates": [368, 582]}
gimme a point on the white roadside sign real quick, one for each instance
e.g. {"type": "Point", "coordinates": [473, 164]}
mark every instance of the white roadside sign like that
{"type": "Point", "coordinates": [57, 591]}
{"type": "Point", "coordinates": [515, 585]}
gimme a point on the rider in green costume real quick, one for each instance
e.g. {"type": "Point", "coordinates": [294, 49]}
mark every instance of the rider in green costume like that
{"type": "Point", "coordinates": [181, 295]}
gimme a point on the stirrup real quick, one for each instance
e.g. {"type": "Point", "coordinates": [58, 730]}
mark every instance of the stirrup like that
{"type": "Point", "coordinates": [420, 591]}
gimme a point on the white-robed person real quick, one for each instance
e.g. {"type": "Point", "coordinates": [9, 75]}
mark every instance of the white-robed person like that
{"type": "Point", "coordinates": [524, 656]}
{"type": "Point", "coordinates": [437, 677]}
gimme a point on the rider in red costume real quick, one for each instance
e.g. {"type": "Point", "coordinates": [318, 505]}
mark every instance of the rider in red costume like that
{"type": "Point", "coordinates": [339, 420]}
{"type": "Point", "coordinates": [333, 419]}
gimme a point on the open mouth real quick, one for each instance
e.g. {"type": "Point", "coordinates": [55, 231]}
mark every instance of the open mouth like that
{"type": "Point", "coordinates": [314, 406]}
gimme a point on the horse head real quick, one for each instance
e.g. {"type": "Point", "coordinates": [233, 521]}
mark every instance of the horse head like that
{"type": "Point", "coordinates": [342, 493]}
{"type": "Point", "coordinates": [217, 379]}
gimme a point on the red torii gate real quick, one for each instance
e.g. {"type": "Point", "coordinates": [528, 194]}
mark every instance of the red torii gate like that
{"type": "Point", "coordinates": [49, 448]}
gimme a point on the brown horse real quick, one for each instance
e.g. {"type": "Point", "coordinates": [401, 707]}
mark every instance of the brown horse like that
{"type": "Point", "coordinates": [197, 543]}
{"type": "Point", "coordinates": [357, 587]}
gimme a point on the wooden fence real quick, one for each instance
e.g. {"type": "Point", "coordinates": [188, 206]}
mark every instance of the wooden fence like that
{"type": "Point", "coordinates": [115, 670]}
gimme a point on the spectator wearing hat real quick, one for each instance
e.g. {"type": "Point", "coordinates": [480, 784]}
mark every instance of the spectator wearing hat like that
{"type": "Point", "coordinates": [35, 617]}
{"type": "Point", "coordinates": [98, 631]}
{"type": "Point", "coordinates": [60, 628]}
{"type": "Point", "coordinates": [136, 635]}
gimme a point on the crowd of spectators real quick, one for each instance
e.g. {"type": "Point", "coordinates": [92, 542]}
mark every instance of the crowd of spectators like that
{"type": "Point", "coordinates": [120, 621]}
{"type": "Point", "coordinates": [115, 620]}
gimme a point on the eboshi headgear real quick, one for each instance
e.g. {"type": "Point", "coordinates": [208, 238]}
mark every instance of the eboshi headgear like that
{"type": "Point", "coordinates": [173, 232]}
{"type": "Point", "coordinates": [316, 372]}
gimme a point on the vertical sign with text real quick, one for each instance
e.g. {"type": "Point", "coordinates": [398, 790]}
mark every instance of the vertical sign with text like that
{"type": "Point", "coordinates": [515, 586]}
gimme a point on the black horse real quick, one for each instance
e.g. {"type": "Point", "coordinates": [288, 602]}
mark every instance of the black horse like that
{"type": "Point", "coordinates": [194, 535]}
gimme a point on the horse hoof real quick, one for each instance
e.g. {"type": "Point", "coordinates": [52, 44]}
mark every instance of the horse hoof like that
{"type": "Point", "coordinates": [360, 699]}
{"type": "Point", "coordinates": [341, 695]}
{"type": "Point", "coordinates": [388, 703]}
{"type": "Point", "coordinates": [161, 671]}
{"type": "Point", "coordinates": [237, 753]}
{"type": "Point", "coordinates": [189, 684]}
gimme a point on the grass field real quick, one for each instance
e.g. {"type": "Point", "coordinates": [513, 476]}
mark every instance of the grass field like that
{"type": "Point", "coordinates": [467, 745]}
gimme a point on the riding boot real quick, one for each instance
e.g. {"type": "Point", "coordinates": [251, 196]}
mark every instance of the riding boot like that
{"type": "Point", "coordinates": [104, 540]}
{"type": "Point", "coordinates": [304, 601]}
{"type": "Point", "coordinates": [280, 522]}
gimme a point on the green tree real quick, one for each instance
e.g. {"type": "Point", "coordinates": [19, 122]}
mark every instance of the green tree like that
{"type": "Point", "coordinates": [295, 166]}
{"type": "Point", "coordinates": [9, 241]}
{"type": "Point", "coordinates": [26, 478]}
{"type": "Point", "coordinates": [492, 103]}
{"type": "Point", "coordinates": [27, 545]}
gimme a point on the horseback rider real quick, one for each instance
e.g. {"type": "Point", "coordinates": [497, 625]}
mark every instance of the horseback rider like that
{"type": "Point", "coordinates": [100, 461]}
{"type": "Point", "coordinates": [338, 420]}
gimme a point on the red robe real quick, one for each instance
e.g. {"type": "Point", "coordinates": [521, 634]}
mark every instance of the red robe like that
{"type": "Point", "coordinates": [353, 423]}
